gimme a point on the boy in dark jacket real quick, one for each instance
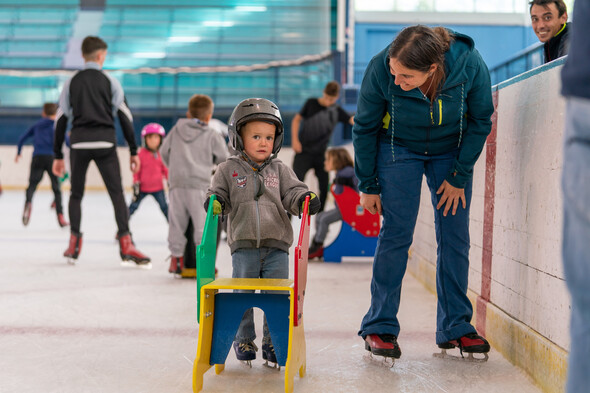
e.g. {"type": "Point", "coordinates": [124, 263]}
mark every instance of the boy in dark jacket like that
{"type": "Point", "coordinates": [257, 191]}
{"type": "Point", "coordinates": [42, 133]}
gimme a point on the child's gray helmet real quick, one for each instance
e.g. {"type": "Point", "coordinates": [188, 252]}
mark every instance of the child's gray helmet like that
{"type": "Point", "coordinates": [255, 109]}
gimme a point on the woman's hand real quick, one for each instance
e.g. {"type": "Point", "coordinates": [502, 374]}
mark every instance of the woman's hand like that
{"type": "Point", "coordinates": [451, 196]}
{"type": "Point", "coordinates": [371, 202]}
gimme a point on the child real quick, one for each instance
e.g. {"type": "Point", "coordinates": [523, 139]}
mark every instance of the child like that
{"type": "Point", "coordinates": [152, 171]}
{"type": "Point", "coordinates": [337, 159]}
{"type": "Point", "coordinates": [256, 191]}
{"type": "Point", "coordinates": [190, 150]}
{"type": "Point", "coordinates": [42, 133]}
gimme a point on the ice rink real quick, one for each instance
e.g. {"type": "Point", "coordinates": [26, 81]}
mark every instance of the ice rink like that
{"type": "Point", "coordinates": [102, 327]}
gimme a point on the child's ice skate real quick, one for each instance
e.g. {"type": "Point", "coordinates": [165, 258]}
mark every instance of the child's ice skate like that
{"type": "Point", "coordinates": [268, 354]}
{"type": "Point", "coordinates": [176, 265]}
{"type": "Point", "coordinates": [383, 345]}
{"type": "Point", "coordinates": [245, 352]}
{"type": "Point", "coordinates": [470, 343]}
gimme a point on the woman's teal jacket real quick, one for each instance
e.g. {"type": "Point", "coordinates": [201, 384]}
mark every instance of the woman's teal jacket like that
{"type": "Point", "coordinates": [459, 117]}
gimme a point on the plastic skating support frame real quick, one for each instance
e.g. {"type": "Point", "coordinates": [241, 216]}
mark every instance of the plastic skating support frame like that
{"type": "Point", "coordinates": [220, 312]}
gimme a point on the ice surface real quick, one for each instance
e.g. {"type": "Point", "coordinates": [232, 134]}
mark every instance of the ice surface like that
{"type": "Point", "coordinates": [100, 327]}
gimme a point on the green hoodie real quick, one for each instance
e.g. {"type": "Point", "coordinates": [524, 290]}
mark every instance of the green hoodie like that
{"type": "Point", "coordinates": [458, 117]}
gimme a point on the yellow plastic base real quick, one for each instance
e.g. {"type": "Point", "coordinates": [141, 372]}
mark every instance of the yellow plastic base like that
{"type": "Point", "coordinates": [296, 357]}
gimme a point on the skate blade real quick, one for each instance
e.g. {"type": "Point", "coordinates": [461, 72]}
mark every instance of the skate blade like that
{"type": "Point", "coordinates": [379, 360]}
{"type": "Point", "coordinates": [70, 261]}
{"type": "Point", "coordinates": [145, 266]}
{"type": "Point", "coordinates": [247, 363]}
{"type": "Point", "coordinates": [470, 358]}
{"type": "Point", "coordinates": [272, 365]}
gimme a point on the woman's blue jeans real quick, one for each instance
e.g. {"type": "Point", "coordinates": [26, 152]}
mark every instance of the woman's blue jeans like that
{"type": "Point", "coordinates": [263, 262]}
{"type": "Point", "coordinates": [401, 183]}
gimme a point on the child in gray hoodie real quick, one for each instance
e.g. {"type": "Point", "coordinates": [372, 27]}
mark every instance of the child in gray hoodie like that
{"type": "Point", "coordinates": [190, 151]}
{"type": "Point", "coordinates": [256, 191]}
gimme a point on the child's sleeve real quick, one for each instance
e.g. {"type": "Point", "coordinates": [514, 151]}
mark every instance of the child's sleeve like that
{"type": "Point", "coordinates": [291, 189]}
{"type": "Point", "coordinates": [23, 138]}
{"type": "Point", "coordinates": [220, 151]}
{"type": "Point", "coordinates": [220, 187]}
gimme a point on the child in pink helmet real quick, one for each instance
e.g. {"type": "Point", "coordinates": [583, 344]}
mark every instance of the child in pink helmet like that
{"type": "Point", "coordinates": [149, 180]}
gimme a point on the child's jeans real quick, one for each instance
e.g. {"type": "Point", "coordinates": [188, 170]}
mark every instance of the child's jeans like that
{"type": "Point", "coordinates": [160, 197]}
{"type": "Point", "coordinates": [261, 262]}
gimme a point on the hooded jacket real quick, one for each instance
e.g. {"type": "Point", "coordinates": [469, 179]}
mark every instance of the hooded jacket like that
{"type": "Point", "coordinates": [190, 150]}
{"type": "Point", "coordinates": [458, 117]}
{"type": "Point", "coordinates": [257, 214]}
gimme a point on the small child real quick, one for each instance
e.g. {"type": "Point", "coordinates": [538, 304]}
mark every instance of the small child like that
{"type": "Point", "coordinates": [256, 191]}
{"type": "Point", "coordinates": [149, 180]}
{"type": "Point", "coordinates": [42, 133]}
{"type": "Point", "coordinates": [190, 151]}
{"type": "Point", "coordinates": [337, 159]}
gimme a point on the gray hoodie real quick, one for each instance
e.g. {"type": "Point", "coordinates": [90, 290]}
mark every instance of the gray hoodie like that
{"type": "Point", "coordinates": [263, 221]}
{"type": "Point", "coordinates": [190, 150]}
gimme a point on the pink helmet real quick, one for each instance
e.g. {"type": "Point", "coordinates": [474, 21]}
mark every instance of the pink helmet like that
{"type": "Point", "coordinates": [153, 128]}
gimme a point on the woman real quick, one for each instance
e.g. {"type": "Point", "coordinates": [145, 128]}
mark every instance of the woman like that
{"type": "Point", "coordinates": [424, 109]}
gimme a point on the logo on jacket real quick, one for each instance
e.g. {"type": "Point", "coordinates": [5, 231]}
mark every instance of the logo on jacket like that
{"type": "Point", "coordinates": [271, 181]}
{"type": "Point", "coordinates": [235, 174]}
{"type": "Point", "coordinates": [241, 181]}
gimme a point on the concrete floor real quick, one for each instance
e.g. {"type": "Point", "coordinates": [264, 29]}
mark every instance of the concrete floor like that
{"type": "Point", "coordinates": [101, 327]}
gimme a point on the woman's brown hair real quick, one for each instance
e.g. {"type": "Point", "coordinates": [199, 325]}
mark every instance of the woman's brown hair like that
{"type": "Point", "coordinates": [418, 47]}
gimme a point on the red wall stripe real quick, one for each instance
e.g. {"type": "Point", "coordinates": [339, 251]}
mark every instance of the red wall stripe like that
{"type": "Point", "coordinates": [488, 222]}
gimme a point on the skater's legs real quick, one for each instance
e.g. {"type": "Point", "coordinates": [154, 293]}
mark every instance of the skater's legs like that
{"type": "Point", "coordinates": [79, 161]}
{"type": "Point", "coordinates": [323, 178]}
{"type": "Point", "coordinates": [323, 221]}
{"type": "Point", "coordinates": [135, 204]}
{"type": "Point", "coordinates": [160, 197]}
{"type": "Point", "coordinates": [35, 177]}
{"type": "Point", "coordinates": [454, 310]}
{"type": "Point", "coordinates": [576, 232]}
{"type": "Point", "coordinates": [246, 264]}
{"type": "Point", "coordinates": [274, 263]}
{"type": "Point", "coordinates": [108, 165]}
{"type": "Point", "coordinates": [178, 222]}
{"type": "Point", "coordinates": [301, 164]}
{"type": "Point", "coordinates": [401, 182]}
{"type": "Point", "coordinates": [55, 185]}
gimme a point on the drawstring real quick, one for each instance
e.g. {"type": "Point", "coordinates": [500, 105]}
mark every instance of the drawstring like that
{"type": "Point", "coordinates": [461, 118]}
{"type": "Point", "coordinates": [392, 121]}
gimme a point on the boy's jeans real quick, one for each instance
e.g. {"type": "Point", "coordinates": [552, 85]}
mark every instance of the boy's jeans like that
{"type": "Point", "coordinates": [576, 236]}
{"type": "Point", "coordinates": [261, 262]}
{"type": "Point", "coordinates": [401, 183]}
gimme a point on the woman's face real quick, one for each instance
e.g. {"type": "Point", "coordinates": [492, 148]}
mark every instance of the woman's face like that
{"type": "Point", "coordinates": [407, 78]}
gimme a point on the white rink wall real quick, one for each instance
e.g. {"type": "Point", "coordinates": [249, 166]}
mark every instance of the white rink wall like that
{"type": "Point", "coordinates": [523, 307]}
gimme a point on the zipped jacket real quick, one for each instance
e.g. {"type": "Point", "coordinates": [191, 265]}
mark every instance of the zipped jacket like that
{"type": "Point", "coordinates": [257, 203]}
{"type": "Point", "coordinates": [458, 117]}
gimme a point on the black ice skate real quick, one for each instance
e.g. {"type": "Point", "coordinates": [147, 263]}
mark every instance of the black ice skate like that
{"type": "Point", "coordinates": [383, 345]}
{"type": "Point", "coordinates": [245, 352]}
{"type": "Point", "coordinates": [74, 248]}
{"type": "Point", "coordinates": [27, 213]}
{"type": "Point", "coordinates": [268, 354]}
{"type": "Point", "coordinates": [470, 343]}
